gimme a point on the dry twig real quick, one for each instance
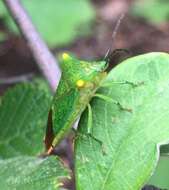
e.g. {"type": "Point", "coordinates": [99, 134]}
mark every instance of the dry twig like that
{"type": "Point", "coordinates": [16, 79]}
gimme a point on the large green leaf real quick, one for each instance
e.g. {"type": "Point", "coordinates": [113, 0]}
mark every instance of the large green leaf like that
{"type": "Point", "coordinates": [23, 116]}
{"type": "Point", "coordinates": [29, 173]}
{"type": "Point", "coordinates": [161, 176]}
{"type": "Point", "coordinates": [57, 21]}
{"type": "Point", "coordinates": [130, 139]}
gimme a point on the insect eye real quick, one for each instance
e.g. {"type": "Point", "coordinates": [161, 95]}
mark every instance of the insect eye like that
{"type": "Point", "coordinates": [80, 83]}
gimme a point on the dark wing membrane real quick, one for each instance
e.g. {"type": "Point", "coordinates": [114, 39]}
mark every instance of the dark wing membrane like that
{"type": "Point", "coordinates": [49, 132]}
{"type": "Point", "coordinates": [117, 56]}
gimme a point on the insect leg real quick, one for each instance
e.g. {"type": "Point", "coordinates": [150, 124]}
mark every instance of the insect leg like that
{"type": "Point", "coordinates": [133, 84]}
{"type": "Point", "coordinates": [89, 128]}
{"type": "Point", "coordinates": [89, 125]}
{"type": "Point", "coordinates": [82, 135]}
{"type": "Point", "coordinates": [89, 122]}
{"type": "Point", "coordinates": [108, 99]}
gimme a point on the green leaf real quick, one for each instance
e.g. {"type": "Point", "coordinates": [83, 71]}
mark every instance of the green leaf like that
{"type": "Point", "coordinates": [29, 173]}
{"type": "Point", "coordinates": [57, 21]}
{"type": "Point", "coordinates": [131, 140]}
{"type": "Point", "coordinates": [42, 84]}
{"type": "Point", "coordinates": [23, 117]}
{"type": "Point", "coordinates": [161, 175]}
{"type": "Point", "coordinates": [154, 11]}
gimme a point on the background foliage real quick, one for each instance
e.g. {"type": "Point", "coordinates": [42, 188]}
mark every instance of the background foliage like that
{"type": "Point", "coordinates": [23, 117]}
{"type": "Point", "coordinates": [50, 16]}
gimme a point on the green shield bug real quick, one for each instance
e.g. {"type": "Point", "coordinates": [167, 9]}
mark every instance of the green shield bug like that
{"type": "Point", "coordinates": [79, 83]}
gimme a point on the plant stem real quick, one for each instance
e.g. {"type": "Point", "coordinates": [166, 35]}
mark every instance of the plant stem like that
{"type": "Point", "coordinates": [16, 79]}
{"type": "Point", "coordinates": [44, 58]}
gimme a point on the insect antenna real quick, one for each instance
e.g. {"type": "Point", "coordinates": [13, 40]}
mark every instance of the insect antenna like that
{"type": "Point", "coordinates": [108, 52]}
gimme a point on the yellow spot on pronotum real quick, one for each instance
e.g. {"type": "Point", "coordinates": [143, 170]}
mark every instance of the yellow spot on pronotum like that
{"type": "Point", "coordinates": [65, 56]}
{"type": "Point", "coordinates": [80, 83]}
